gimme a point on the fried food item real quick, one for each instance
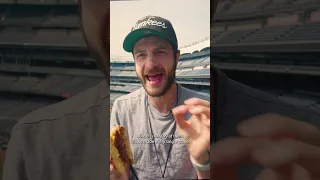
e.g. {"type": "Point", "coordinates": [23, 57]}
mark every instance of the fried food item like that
{"type": "Point", "coordinates": [120, 149]}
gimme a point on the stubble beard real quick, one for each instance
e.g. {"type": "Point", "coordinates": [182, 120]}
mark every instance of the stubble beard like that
{"type": "Point", "coordinates": [168, 82]}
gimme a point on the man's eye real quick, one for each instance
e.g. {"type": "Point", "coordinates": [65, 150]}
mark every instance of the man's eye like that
{"type": "Point", "coordinates": [140, 55]}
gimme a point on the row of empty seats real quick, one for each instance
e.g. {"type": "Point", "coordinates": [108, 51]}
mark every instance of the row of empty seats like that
{"type": "Point", "coordinates": [39, 2]}
{"type": "Point", "coordinates": [193, 72]}
{"type": "Point", "coordinates": [310, 31]}
{"type": "Point", "coordinates": [42, 37]}
{"type": "Point", "coordinates": [244, 6]}
{"type": "Point", "coordinates": [37, 15]}
{"type": "Point", "coordinates": [184, 72]}
{"type": "Point", "coordinates": [52, 85]}
{"type": "Point", "coordinates": [129, 67]}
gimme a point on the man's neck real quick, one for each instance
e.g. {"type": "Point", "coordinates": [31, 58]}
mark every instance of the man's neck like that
{"type": "Point", "coordinates": [164, 103]}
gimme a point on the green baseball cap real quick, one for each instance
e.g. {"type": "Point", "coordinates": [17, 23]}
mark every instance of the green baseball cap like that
{"type": "Point", "coordinates": [150, 26]}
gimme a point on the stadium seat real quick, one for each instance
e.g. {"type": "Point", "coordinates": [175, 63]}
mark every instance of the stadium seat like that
{"type": "Point", "coordinates": [45, 85]}
{"type": "Point", "coordinates": [48, 37]}
{"type": "Point", "coordinates": [74, 38]}
{"type": "Point", "coordinates": [24, 84]}
{"type": "Point", "coordinates": [233, 36]}
{"type": "Point", "coordinates": [68, 2]}
{"type": "Point", "coordinates": [27, 14]}
{"type": "Point", "coordinates": [246, 6]}
{"type": "Point", "coordinates": [274, 4]}
{"type": "Point", "coordinates": [37, 2]}
{"type": "Point", "coordinates": [7, 82]}
{"type": "Point", "coordinates": [64, 16]}
{"type": "Point", "coordinates": [268, 34]}
{"type": "Point", "coordinates": [16, 36]}
{"type": "Point", "coordinates": [309, 31]}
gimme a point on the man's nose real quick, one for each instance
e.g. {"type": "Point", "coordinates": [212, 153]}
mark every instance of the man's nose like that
{"type": "Point", "coordinates": [151, 61]}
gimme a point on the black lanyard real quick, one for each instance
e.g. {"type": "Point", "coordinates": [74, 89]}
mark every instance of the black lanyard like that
{"type": "Point", "coordinates": [172, 138]}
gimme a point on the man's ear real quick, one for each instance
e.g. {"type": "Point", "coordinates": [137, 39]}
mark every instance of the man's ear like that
{"type": "Point", "coordinates": [178, 56]}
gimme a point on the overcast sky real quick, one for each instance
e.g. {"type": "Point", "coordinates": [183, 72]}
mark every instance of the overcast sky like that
{"type": "Point", "coordinates": [190, 18]}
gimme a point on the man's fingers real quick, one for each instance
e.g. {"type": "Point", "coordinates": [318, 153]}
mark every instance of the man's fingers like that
{"type": "Point", "coordinates": [226, 155]}
{"type": "Point", "coordinates": [267, 153]}
{"type": "Point", "coordinates": [231, 151]}
{"type": "Point", "coordinates": [281, 153]}
{"type": "Point", "coordinates": [197, 101]}
{"type": "Point", "coordinates": [276, 126]}
{"type": "Point", "coordinates": [290, 172]}
{"type": "Point", "coordinates": [197, 110]}
{"type": "Point", "coordinates": [178, 114]}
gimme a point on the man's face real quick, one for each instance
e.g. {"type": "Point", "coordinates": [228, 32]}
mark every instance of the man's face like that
{"type": "Point", "coordinates": [155, 64]}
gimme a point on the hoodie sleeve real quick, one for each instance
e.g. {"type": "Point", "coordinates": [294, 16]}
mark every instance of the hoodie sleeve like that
{"type": "Point", "coordinates": [14, 168]}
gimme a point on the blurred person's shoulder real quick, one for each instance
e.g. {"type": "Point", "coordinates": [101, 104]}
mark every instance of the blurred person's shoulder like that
{"type": "Point", "coordinates": [70, 134]}
{"type": "Point", "coordinates": [74, 110]}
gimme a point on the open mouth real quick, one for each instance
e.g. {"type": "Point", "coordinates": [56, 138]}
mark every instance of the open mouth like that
{"type": "Point", "coordinates": [154, 79]}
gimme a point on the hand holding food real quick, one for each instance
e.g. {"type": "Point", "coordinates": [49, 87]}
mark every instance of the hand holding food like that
{"type": "Point", "coordinates": [120, 149]}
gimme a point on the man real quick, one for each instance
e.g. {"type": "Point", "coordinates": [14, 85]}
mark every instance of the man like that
{"type": "Point", "coordinates": [147, 111]}
{"type": "Point", "coordinates": [69, 140]}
